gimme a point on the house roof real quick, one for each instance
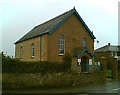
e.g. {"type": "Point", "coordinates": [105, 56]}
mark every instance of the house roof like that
{"type": "Point", "coordinates": [51, 25]}
{"type": "Point", "coordinates": [107, 48]}
{"type": "Point", "coordinates": [119, 47]}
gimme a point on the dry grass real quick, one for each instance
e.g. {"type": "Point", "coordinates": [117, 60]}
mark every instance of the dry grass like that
{"type": "Point", "coordinates": [14, 81]}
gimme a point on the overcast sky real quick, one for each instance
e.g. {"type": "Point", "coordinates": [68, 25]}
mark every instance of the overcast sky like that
{"type": "Point", "coordinates": [19, 16]}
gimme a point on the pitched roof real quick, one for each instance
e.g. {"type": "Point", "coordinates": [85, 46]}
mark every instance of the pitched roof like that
{"type": "Point", "coordinates": [119, 47]}
{"type": "Point", "coordinates": [85, 50]}
{"type": "Point", "coordinates": [107, 48]}
{"type": "Point", "coordinates": [51, 25]}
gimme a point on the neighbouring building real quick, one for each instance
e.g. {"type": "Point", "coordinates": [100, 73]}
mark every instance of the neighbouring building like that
{"type": "Point", "coordinates": [51, 40]}
{"type": "Point", "coordinates": [118, 54]}
{"type": "Point", "coordinates": [108, 51]}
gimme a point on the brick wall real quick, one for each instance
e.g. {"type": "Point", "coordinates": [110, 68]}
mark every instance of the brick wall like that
{"type": "Point", "coordinates": [98, 55]}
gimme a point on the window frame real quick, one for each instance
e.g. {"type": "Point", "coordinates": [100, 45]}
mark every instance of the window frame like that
{"type": "Point", "coordinates": [83, 44]}
{"type": "Point", "coordinates": [112, 53]}
{"type": "Point", "coordinates": [32, 50]}
{"type": "Point", "coordinates": [61, 45]}
{"type": "Point", "coordinates": [115, 53]}
{"type": "Point", "coordinates": [21, 52]}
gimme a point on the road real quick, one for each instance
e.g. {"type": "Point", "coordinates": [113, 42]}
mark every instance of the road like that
{"type": "Point", "coordinates": [112, 86]}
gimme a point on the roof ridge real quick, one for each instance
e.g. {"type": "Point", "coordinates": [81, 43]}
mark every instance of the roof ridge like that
{"type": "Point", "coordinates": [50, 25]}
{"type": "Point", "coordinates": [25, 37]}
{"type": "Point", "coordinates": [107, 48]}
{"type": "Point", "coordinates": [53, 18]}
{"type": "Point", "coordinates": [101, 47]}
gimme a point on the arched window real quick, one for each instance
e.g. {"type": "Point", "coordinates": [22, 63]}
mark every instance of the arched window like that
{"type": "Point", "coordinates": [61, 45]}
{"type": "Point", "coordinates": [83, 42]}
{"type": "Point", "coordinates": [33, 50]}
{"type": "Point", "coordinates": [21, 52]}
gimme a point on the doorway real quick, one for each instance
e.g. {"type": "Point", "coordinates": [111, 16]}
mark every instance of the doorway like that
{"type": "Point", "coordinates": [85, 64]}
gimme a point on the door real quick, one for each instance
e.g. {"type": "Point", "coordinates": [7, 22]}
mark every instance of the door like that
{"type": "Point", "coordinates": [84, 64]}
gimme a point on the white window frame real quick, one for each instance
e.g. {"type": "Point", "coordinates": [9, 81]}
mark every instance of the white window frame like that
{"type": "Point", "coordinates": [115, 53]}
{"type": "Point", "coordinates": [112, 53]}
{"type": "Point", "coordinates": [90, 61]}
{"type": "Point", "coordinates": [61, 45]}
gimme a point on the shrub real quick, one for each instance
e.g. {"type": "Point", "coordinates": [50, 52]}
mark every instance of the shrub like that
{"type": "Point", "coordinates": [118, 64]}
{"type": "Point", "coordinates": [31, 67]}
{"type": "Point", "coordinates": [12, 65]}
{"type": "Point", "coordinates": [54, 80]}
{"type": "Point", "coordinates": [67, 59]}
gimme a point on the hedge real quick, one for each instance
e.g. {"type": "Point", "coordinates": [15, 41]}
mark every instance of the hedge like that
{"type": "Point", "coordinates": [12, 65]}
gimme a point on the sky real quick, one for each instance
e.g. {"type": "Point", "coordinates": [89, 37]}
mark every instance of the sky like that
{"type": "Point", "coordinates": [17, 17]}
{"type": "Point", "coordinates": [119, 23]}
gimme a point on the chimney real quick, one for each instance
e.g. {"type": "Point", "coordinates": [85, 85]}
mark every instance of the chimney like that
{"type": "Point", "coordinates": [74, 7]}
{"type": "Point", "coordinates": [108, 44]}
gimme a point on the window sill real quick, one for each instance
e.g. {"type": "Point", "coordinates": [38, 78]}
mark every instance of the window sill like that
{"type": "Point", "coordinates": [115, 56]}
{"type": "Point", "coordinates": [32, 56]}
{"type": "Point", "coordinates": [60, 54]}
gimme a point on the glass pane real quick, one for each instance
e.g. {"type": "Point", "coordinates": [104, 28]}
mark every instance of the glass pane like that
{"type": "Point", "coordinates": [61, 44]}
{"type": "Point", "coordinates": [32, 49]}
{"type": "Point", "coordinates": [83, 42]}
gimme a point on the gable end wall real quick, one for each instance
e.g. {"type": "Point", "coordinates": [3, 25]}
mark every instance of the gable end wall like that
{"type": "Point", "coordinates": [73, 31]}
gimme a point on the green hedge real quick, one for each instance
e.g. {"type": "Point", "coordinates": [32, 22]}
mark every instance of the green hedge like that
{"type": "Point", "coordinates": [11, 65]}
{"type": "Point", "coordinates": [32, 67]}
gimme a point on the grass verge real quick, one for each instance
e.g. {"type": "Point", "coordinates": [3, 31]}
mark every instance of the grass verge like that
{"type": "Point", "coordinates": [54, 80]}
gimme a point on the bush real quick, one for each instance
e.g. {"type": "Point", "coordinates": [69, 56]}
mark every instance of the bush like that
{"type": "Point", "coordinates": [67, 59]}
{"type": "Point", "coordinates": [54, 80]}
{"type": "Point", "coordinates": [118, 64]}
{"type": "Point", "coordinates": [12, 65]}
{"type": "Point", "coordinates": [32, 67]}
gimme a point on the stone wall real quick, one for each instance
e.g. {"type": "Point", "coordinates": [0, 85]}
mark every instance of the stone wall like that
{"type": "Point", "coordinates": [73, 31]}
{"type": "Point", "coordinates": [27, 52]}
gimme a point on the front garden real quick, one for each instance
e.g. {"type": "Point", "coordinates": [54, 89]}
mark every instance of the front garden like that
{"type": "Point", "coordinates": [54, 80]}
{"type": "Point", "coordinates": [41, 75]}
